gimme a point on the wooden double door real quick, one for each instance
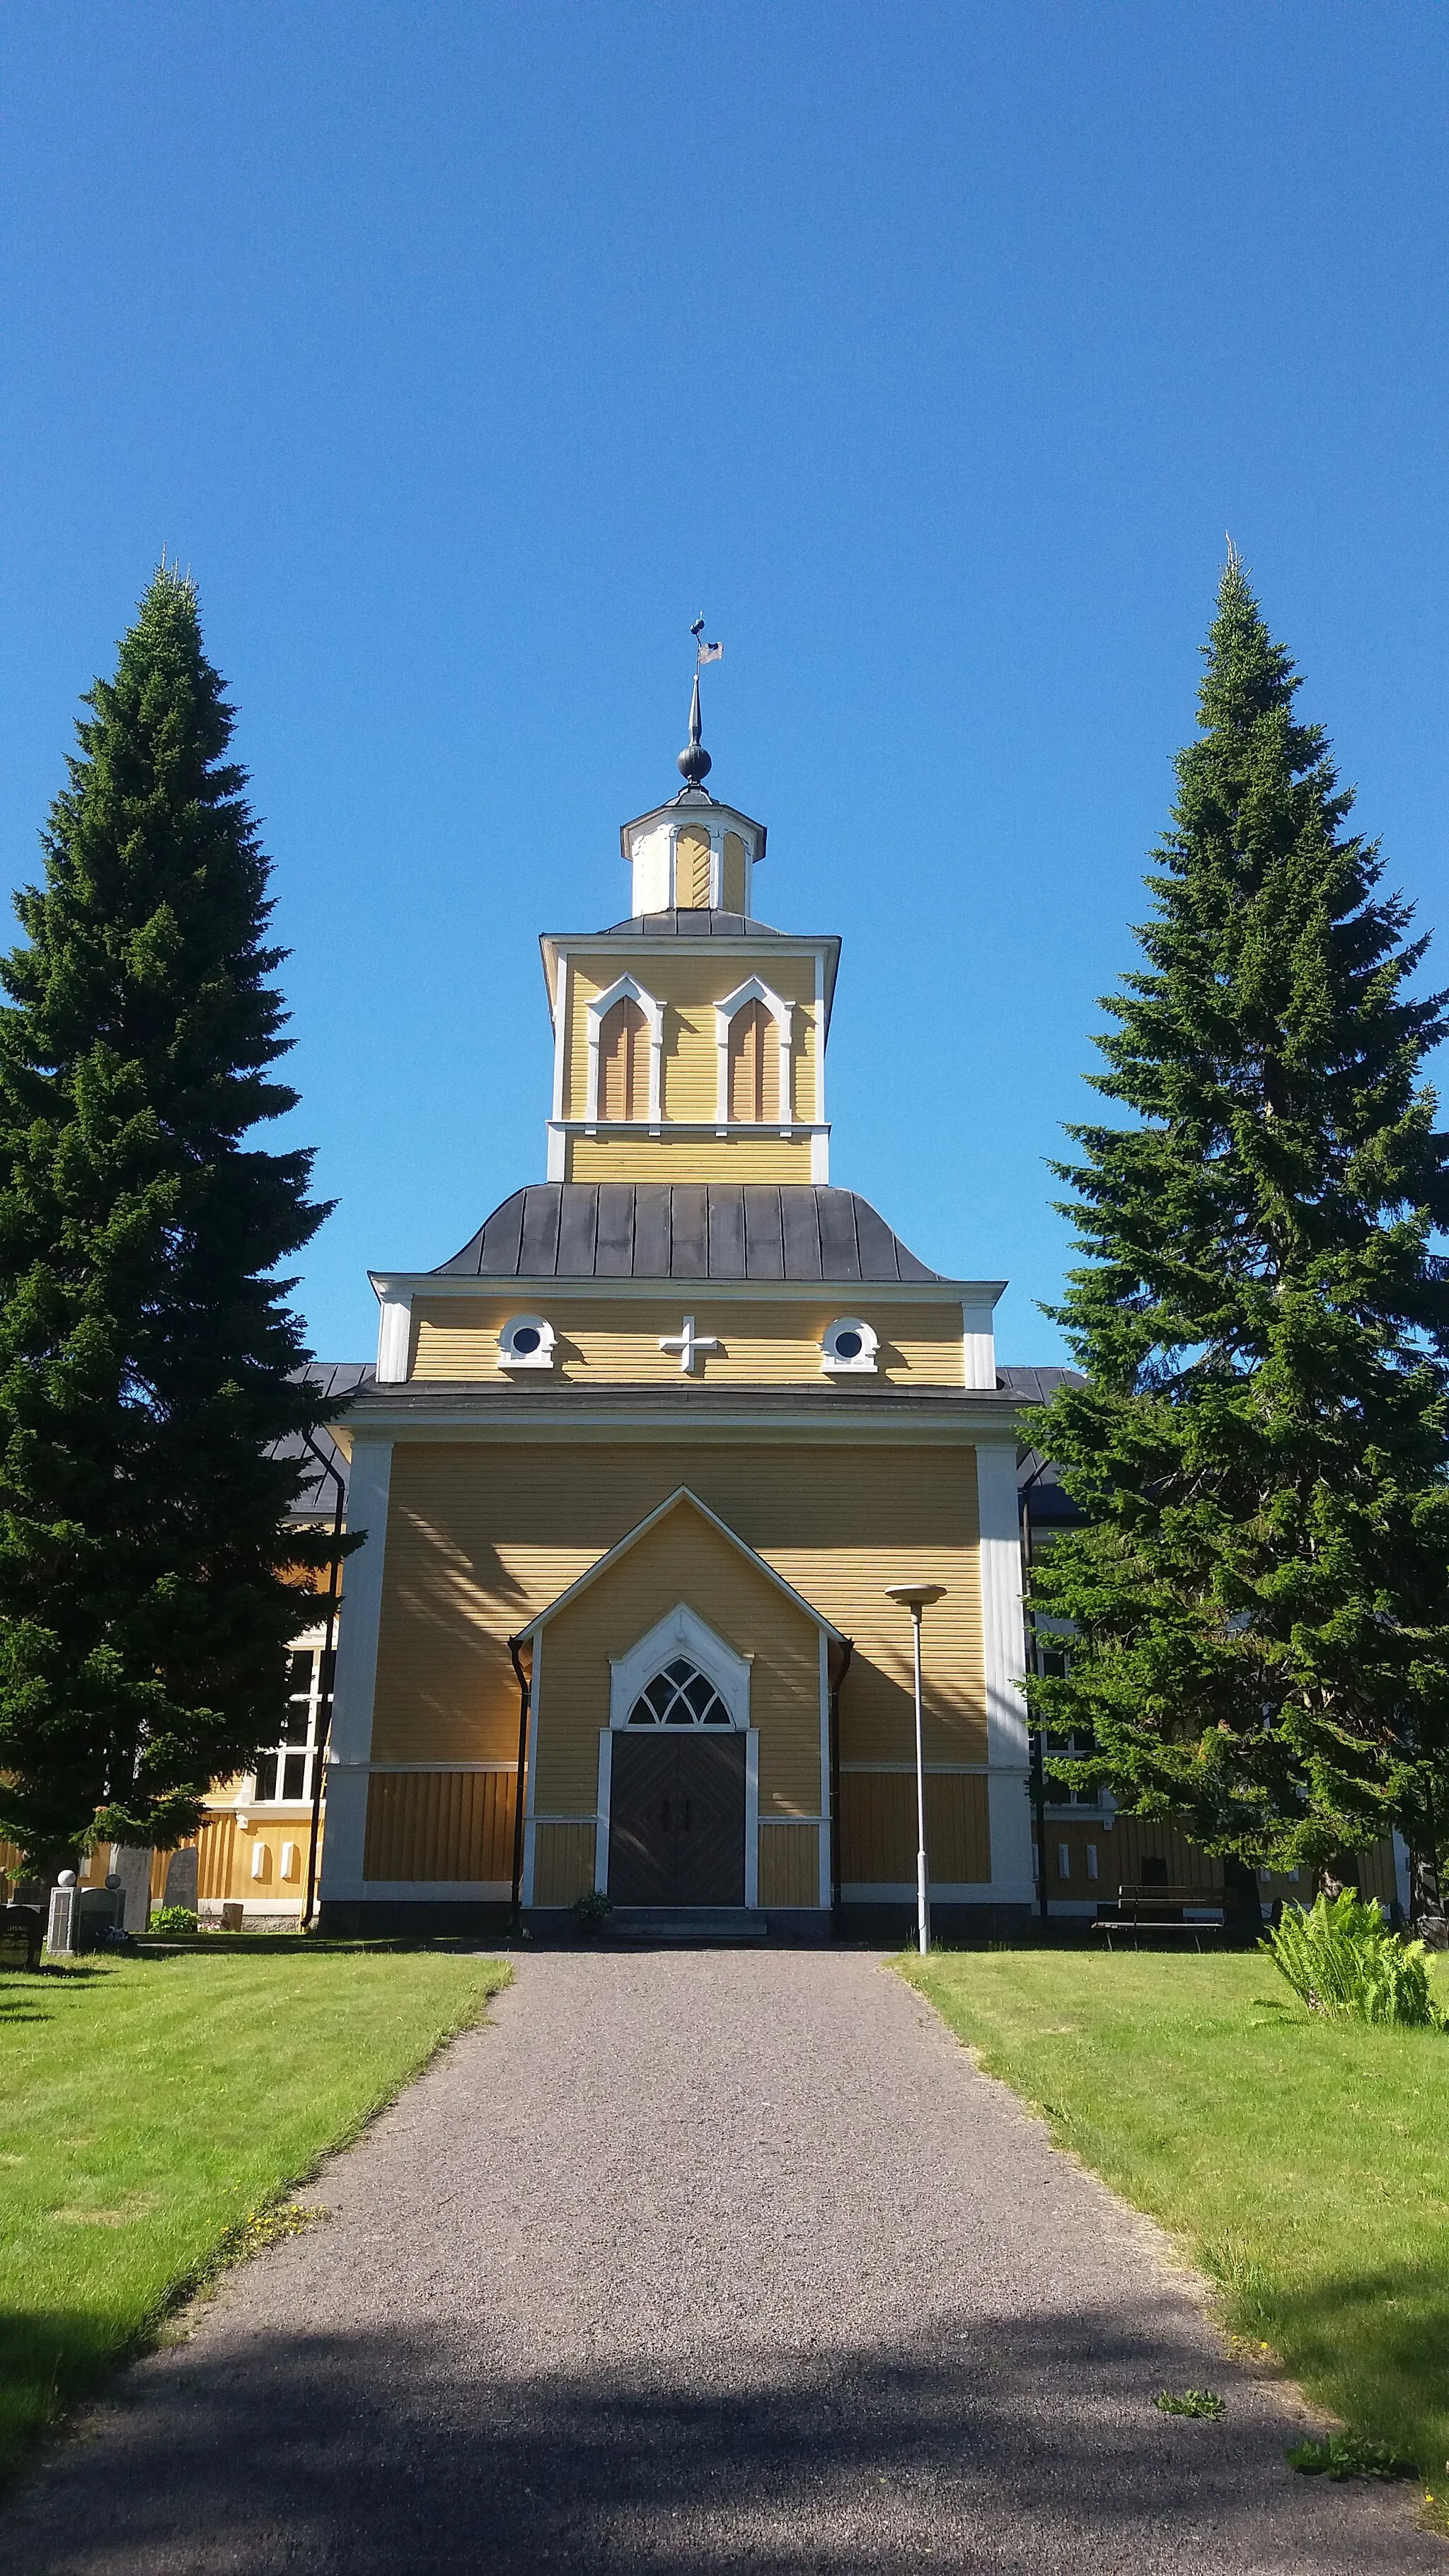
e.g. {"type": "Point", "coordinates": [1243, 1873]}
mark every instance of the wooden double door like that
{"type": "Point", "coordinates": [677, 1818]}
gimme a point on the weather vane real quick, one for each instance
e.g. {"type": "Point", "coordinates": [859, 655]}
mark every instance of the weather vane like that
{"type": "Point", "coordinates": [704, 652]}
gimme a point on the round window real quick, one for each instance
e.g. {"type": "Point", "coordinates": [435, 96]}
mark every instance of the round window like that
{"type": "Point", "coordinates": [527, 1338]}
{"type": "Point", "coordinates": [848, 1346]}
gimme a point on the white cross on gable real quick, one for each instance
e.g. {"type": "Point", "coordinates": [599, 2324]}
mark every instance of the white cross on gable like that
{"type": "Point", "coordinates": [689, 1344]}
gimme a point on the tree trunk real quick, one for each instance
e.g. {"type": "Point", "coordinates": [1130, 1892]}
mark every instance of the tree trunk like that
{"type": "Point", "coordinates": [1242, 1903]}
{"type": "Point", "coordinates": [1337, 1874]}
{"type": "Point", "coordinates": [1426, 1901]}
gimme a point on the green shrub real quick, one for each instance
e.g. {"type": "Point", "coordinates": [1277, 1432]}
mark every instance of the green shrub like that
{"type": "Point", "coordinates": [1341, 1959]}
{"type": "Point", "coordinates": [175, 1918]}
{"type": "Point", "coordinates": [1343, 2455]}
{"type": "Point", "coordinates": [591, 1912]}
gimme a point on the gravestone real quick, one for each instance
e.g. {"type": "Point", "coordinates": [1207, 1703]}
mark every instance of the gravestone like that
{"type": "Point", "coordinates": [132, 1866]}
{"type": "Point", "coordinates": [181, 1878]}
{"type": "Point", "coordinates": [62, 1936]}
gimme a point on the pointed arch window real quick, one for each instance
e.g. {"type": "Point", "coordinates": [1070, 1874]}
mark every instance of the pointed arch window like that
{"type": "Point", "coordinates": [753, 1031]}
{"type": "Point", "coordinates": [626, 1041]}
{"type": "Point", "coordinates": [754, 1064]}
{"type": "Point", "coordinates": [623, 1061]}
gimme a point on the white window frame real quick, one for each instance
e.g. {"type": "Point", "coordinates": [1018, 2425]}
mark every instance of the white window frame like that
{"type": "Point", "coordinates": [783, 1015]}
{"type": "Point", "coordinates": [627, 989]}
{"type": "Point", "coordinates": [273, 1757]}
{"type": "Point", "coordinates": [542, 1358]}
{"type": "Point", "coordinates": [864, 1362]}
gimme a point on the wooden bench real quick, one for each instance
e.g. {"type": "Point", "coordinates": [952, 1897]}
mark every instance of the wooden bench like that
{"type": "Point", "coordinates": [1164, 1909]}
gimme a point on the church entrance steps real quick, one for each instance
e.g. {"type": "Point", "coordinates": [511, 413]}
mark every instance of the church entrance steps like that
{"type": "Point", "coordinates": [713, 1926]}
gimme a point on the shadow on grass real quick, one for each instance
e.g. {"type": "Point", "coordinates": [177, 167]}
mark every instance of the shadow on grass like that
{"type": "Point", "coordinates": [1377, 2344]}
{"type": "Point", "coordinates": [987, 2442]}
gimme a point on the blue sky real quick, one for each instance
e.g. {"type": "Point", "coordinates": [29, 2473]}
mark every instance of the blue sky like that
{"type": "Point", "coordinates": [466, 352]}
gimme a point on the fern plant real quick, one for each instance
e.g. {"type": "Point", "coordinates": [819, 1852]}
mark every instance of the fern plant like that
{"type": "Point", "coordinates": [1341, 1959]}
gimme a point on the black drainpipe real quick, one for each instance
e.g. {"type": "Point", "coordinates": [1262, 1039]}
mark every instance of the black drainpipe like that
{"type": "Point", "coordinates": [1038, 1764]}
{"type": "Point", "coordinates": [848, 1649]}
{"type": "Point", "coordinates": [329, 1671]}
{"type": "Point", "coordinates": [515, 1918]}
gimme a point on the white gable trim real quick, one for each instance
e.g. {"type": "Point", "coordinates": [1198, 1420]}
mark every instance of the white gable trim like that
{"type": "Point", "coordinates": [650, 1521]}
{"type": "Point", "coordinates": [680, 1632]}
{"type": "Point", "coordinates": [626, 989]}
{"type": "Point", "coordinates": [783, 1015]}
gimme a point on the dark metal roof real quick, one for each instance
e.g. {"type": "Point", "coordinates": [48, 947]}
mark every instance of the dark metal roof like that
{"type": "Point", "coordinates": [687, 923]}
{"type": "Point", "coordinates": [684, 1230]}
{"type": "Point", "coordinates": [337, 1379]}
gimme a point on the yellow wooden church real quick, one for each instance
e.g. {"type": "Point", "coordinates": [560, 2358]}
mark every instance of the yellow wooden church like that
{"type": "Point", "coordinates": [639, 1465]}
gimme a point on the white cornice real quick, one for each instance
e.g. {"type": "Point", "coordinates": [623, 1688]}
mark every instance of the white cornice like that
{"type": "Point", "coordinates": [534, 1290]}
{"type": "Point", "coordinates": [815, 1419]}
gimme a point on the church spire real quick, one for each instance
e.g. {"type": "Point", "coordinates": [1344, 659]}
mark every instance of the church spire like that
{"type": "Point", "coordinates": [695, 763]}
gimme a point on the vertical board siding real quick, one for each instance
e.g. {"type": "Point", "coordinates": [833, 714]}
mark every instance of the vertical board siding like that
{"type": "Point", "coordinates": [215, 1858]}
{"type": "Point", "coordinates": [439, 1824]}
{"type": "Point", "coordinates": [563, 1862]}
{"type": "Point", "coordinates": [878, 1828]}
{"type": "Point", "coordinates": [789, 1863]}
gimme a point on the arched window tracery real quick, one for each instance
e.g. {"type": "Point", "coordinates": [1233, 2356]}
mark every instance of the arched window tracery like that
{"type": "Point", "coordinates": [679, 1695]}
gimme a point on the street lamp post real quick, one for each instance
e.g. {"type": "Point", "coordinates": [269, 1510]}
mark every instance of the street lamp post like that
{"type": "Point", "coordinates": [917, 1597]}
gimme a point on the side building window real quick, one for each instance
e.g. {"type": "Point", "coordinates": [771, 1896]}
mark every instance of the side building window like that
{"type": "Point", "coordinates": [285, 1771]}
{"type": "Point", "coordinates": [624, 1062]}
{"type": "Point", "coordinates": [754, 1064]}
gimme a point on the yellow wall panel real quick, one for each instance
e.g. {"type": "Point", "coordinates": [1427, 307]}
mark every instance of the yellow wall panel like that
{"type": "Point", "coordinates": [789, 1864]}
{"type": "Point", "coordinates": [563, 1863]}
{"type": "Point", "coordinates": [878, 1828]}
{"type": "Point", "coordinates": [761, 1344]}
{"type": "Point", "coordinates": [688, 1158]}
{"type": "Point", "coordinates": [439, 1825]}
{"type": "Point", "coordinates": [481, 1538]}
{"type": "Point", "coordinates": [689, 984]}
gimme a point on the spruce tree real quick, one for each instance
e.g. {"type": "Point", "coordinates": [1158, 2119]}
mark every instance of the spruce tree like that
{"type": "Point", "coordinates": [146, 1345]}
{"type": "Point", "coordinates": [1260, 1588]}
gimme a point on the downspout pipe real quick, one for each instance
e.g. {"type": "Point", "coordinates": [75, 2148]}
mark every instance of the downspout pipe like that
{"type": "Point", "coordinates": [847, 1649]}
{"type": "Point", "coordinates": [525, 1699]}
{"type": "Point", "coordinates": [1038, 1765]}
{"type": "Point", "coordinates": [329, 1667]}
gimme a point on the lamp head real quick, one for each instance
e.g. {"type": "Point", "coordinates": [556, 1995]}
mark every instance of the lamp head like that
{"type": "Point", "coordinates": [915, 1597]}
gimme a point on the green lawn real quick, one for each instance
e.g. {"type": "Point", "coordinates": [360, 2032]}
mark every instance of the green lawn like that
{"type": "Point", "coordinates": [1303, 2166]}
{"type": "Point", "coordinates": [150, 2105]}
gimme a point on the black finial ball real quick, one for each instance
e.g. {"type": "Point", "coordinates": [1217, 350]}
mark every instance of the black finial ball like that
{"type": "Point", "coordinates": [695, 765]}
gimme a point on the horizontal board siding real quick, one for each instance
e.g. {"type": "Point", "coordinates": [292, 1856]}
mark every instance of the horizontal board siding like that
{"type": "Point", "coordinates": [439, 1824]}
{"type": "Point", "coordinates": [688, 1158]}
{"type": "Point", "coordinates": [563, 1862]}
{"type": "Point", "coordinates": [878, 1828]}
{"type": "Point", "coordinates": [760, 1345]}
{"type": "Point", "coordinates": [480, 1539]}
{"type": "Point", "coordinates": [689, 985]}
{"type": "Point", "coordinates": [683, 1559]}
{"type": "Point", "coordinates": [789, 1864]}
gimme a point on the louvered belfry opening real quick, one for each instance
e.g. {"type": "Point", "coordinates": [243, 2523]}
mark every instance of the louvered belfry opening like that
{"type": "Point", "coordinates": [680, 1695]}
{"type": "Point", "coordinates": [624, 1062]}
{"type": "Point", "coordinates": [754, 1064]}
{"type": "Point", "coordinates": [692, 870]}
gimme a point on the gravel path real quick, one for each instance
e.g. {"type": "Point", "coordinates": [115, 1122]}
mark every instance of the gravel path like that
{"type": "Point", "coordinates": [702, 2261]}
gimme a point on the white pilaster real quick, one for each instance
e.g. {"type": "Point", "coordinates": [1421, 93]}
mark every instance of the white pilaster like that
{"type": "Point", "coordinates": [394, 1340]}
{"type": "Point", "coordinates": [978, 1353]}
{"type": "Point", "coordinates": [1003, 1654]}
